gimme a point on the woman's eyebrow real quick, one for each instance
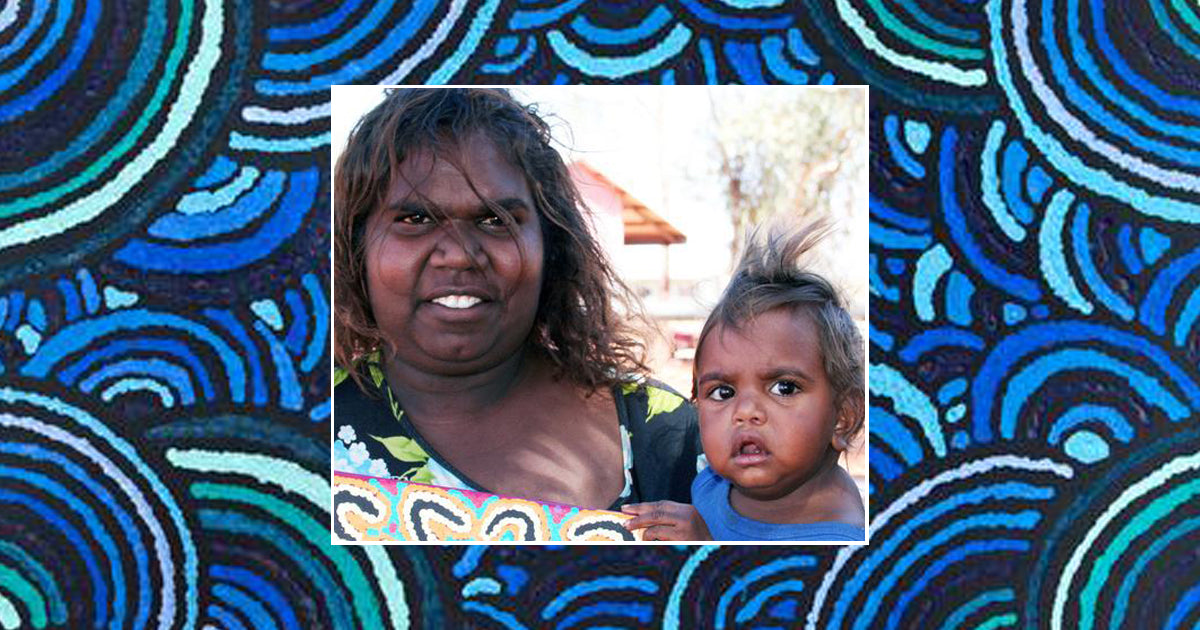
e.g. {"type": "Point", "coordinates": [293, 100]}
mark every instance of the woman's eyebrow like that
{"type": "Point", "coordinates": [511, 204]}
{"type": "Point", "coordinates": [412, 206]}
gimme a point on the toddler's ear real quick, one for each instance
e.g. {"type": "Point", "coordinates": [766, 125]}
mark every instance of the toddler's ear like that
{"type": "Point", "coordinates": [841, 430]}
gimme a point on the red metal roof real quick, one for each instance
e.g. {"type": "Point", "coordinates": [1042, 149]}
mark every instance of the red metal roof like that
{"type": "Point", "coordinates": [643, 226]}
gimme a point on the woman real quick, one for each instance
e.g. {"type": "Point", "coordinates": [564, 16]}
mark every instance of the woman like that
{"type": "Point", "coordinates": [476, 320]}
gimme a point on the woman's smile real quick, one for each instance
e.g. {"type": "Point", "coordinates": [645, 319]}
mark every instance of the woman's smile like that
{"type": "Point", "coordinates": [457, 302]}
{"type": "Point", "coordinates": [460, 309]}
{"type": "Point", "coordinates": [461, 304]}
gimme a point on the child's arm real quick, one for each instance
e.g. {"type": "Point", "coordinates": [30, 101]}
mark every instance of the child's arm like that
{"type": "Point", "coordinates": [667, 520]}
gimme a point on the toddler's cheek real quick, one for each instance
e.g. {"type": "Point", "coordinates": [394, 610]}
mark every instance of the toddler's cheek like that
{"type": "Point", "coordinates": [713, 450]}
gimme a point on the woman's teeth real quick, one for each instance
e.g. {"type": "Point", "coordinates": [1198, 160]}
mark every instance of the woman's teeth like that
{"type": "Point", "coordinates": [457, 301]}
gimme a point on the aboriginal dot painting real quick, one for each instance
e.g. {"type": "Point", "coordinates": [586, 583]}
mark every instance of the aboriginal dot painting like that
{"type": "Point", "coordinates": [165, 309]}
{"type": "Point", "coordinates": [385, 509]}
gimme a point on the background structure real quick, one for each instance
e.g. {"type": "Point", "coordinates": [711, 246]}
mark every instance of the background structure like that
{"type": "Point", "coordinates": [164, 437]}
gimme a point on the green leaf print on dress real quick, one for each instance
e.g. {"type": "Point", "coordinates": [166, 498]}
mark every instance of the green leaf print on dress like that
{"type": "Point", "coordinates": [421, 475]}
{"type": "Point", "coordinates": [660, 401]}
{"type": "Point", "coordinates": [376, 374]}
{"type": "Point", "coordinates": [407, 449]}
{"type": "Point", "coordinates": [403, 448]}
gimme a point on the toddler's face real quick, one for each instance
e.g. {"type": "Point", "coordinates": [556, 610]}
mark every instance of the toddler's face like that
{"type": "Point", "coordinates": [767, 413]}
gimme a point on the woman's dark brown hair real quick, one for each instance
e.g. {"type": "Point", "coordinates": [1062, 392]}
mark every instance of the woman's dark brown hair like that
{"type": "Point", "coordinates": [577, 327]}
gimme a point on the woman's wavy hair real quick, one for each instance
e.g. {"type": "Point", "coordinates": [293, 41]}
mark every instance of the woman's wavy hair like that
{"type": "Point", "coordinates": [769, 275]}
{"type": "Point", "coordinates": [577, 327]}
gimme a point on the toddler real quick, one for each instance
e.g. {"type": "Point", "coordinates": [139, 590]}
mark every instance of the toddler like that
{"type": "Point", "coordinates": [778, 382]}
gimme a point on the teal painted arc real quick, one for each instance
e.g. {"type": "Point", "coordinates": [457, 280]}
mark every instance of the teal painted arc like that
{"type": "Point", "coordinates": [1064, 160]}
{"type": "Point", "coordinates": [1151, 553]}
{"type": "Point", "coordinates": [964, 612]}
{"type": "Point", "coordinates": [682, 579]}
{"type": "Point", "coordinates": [190, 568]}
{"type": "Point", "coordinates": [937, 70]}
{"type": "Point", "coordinates": [931, 266]}
{"type": "Point", "coordinates": [470, 41]}
{"type": "Point", "coordinates": [910, 401]}
{"type": "Point", "coordinates": [205, 201]}
{"type": "Point", "coordinates": [1132, 526]}
{"type": "Point", "coordinates": [78, 335]}
{"type": "Point", "coordinates": [618, 67]}
{"type": "Point", "coordinates": [1041, 370]}
{"type": "Point", "coordinates": [993, 199]}
{"type": "Point", "coordinates": [1053, 260]}
{"type": "Point", "coordinates": [179, 115]}
{"type": "Point", "coordinates": [45, 580]}
{"type": "Point", "coordinates": [1092, 414]}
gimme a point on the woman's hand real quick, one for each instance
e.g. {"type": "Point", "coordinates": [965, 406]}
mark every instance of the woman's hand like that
{"type": "Point", "coordinates": [666, 520]}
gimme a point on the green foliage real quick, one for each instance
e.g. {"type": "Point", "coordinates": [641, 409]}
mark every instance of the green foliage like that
{"type": "Point", "coordinates": [403, 448]}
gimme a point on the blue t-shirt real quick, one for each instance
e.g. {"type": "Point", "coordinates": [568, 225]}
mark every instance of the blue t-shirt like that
{"type": "Point", "coordinates": [710, 496]}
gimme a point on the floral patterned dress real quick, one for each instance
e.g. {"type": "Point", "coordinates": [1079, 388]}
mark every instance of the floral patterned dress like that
{"type": "Point", "coordinates": [660, 440]}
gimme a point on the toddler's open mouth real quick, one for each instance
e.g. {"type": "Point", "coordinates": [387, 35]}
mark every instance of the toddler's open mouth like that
{"type": "Point", "coordinates": [749, 450]}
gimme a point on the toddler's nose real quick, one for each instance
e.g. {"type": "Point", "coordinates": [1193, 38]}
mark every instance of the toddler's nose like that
{"type": "Point", "coordinates": [749, 410]}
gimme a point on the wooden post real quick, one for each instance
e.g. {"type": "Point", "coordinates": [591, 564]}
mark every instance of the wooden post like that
{"type": "Point", "coordinates": [666, 270]}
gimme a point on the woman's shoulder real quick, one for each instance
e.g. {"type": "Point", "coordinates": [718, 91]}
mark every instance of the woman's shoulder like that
{"type": "Point", "coordinates": [365, 402]}
{"type": "Point", "coordinates": [349, 392]}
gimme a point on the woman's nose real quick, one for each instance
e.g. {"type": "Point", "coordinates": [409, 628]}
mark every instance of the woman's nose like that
{"type": "Point", "coordinates": [456, 250]}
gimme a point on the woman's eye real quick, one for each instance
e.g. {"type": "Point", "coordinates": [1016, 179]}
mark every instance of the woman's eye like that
{"type": "Point", "coordinates": [784, 388]}
{"type": "Point", "coordinates": [416, 218]}
{"type": "Point", "coordinates": [720, 393]}
{"type": "Point", "coordinates": [492, 221]}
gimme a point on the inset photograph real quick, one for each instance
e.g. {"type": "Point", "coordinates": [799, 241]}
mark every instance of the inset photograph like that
{"type": "Point", "coordinates": [599, 314]}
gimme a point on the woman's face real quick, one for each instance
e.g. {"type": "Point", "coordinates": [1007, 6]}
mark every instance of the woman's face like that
{"type": "Point", "coordinates": [448, 283]}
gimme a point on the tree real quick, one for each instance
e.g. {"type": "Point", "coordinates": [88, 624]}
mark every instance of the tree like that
{"type": "Point", "coordinates": [787, 151]}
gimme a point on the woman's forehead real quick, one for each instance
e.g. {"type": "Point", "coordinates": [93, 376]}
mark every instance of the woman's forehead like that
{"type": "Point", "coordinates": [471, 151]}
{"type": "Point", "coordinates": [472, 172]}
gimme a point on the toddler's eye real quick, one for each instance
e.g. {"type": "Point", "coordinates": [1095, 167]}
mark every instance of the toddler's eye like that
{"type": "Point", "coordinates": [720, 393]}
{"type": "Point", "coordinates": [784, 388]}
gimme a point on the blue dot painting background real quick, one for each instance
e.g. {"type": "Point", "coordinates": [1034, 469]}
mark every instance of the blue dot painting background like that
{"type": "Point", "coordinates": [1034, 336]}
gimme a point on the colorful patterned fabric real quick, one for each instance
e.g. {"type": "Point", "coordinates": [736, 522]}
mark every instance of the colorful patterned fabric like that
{"type": "Point", "coordinates": [164, 311]}
{"type": "Point", "coordinates": [660, 440]}
{"type": "Point", "coordinates": [371, 509]}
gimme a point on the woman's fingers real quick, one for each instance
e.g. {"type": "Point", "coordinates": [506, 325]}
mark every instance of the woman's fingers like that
{"type": "Point", "coordinates": [666, 520]}
{"type": "Point", "coordinates": [662, 532]}
{"type": "Point", "coordinates": [661, 513]}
